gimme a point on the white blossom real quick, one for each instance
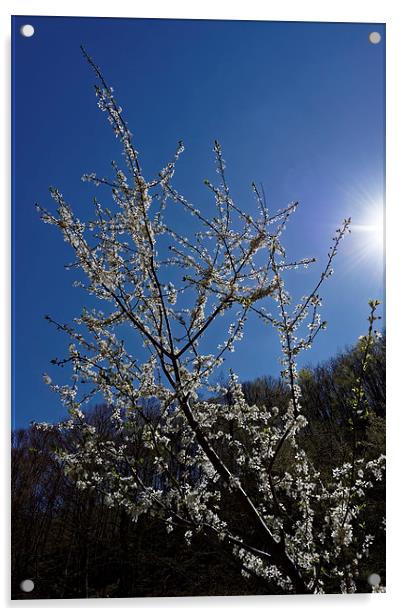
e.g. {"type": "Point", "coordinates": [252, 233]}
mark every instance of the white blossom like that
{"type": "Point", "coordinates": [229, 267]}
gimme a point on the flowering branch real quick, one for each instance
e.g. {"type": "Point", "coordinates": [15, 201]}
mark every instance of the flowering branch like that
{"type": "Point", "coordinates": [233, 265]}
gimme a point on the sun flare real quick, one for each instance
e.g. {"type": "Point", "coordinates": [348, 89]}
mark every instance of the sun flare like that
{"type": "Point", "coordinates": [369, 230]}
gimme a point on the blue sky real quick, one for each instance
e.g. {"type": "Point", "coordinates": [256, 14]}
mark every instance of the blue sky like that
{"type": "Point", "coordinates": [298, 107]}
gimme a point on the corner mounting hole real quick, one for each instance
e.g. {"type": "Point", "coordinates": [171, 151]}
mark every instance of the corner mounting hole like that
{"type": "Point", "coordinates": [27, 585]}
{"type": "Point", "coordinates": [374, 579]}
{"type": "Point", "coordinates": [27, 30]}
{"type": "Point", "coordinates": [374, 38]}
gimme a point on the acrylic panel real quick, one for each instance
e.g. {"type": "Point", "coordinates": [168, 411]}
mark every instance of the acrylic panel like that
{"type": "Point", "coordinates": [198, 355]}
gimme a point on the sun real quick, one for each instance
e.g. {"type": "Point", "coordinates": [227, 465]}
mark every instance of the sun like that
{"type": "Point", "coordinates": [368, 230]}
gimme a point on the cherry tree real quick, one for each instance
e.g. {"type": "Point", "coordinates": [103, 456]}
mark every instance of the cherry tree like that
{"type": "Point", "coordinates": [206, 446]}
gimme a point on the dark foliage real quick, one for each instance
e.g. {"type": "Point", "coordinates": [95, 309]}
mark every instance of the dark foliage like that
{"type": "Point", "coordinates": [72, 545]}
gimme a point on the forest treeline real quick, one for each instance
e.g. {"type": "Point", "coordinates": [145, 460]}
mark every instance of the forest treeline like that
{"type": "Point", "coordinates": [72, 544]}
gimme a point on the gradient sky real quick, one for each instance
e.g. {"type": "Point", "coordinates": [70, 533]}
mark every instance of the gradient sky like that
{"type": "Point", "coordinates": [298, 107]}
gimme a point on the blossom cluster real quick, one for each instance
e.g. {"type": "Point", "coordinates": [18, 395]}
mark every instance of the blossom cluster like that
{"type": "Point", "coordinates": [174, 453]}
